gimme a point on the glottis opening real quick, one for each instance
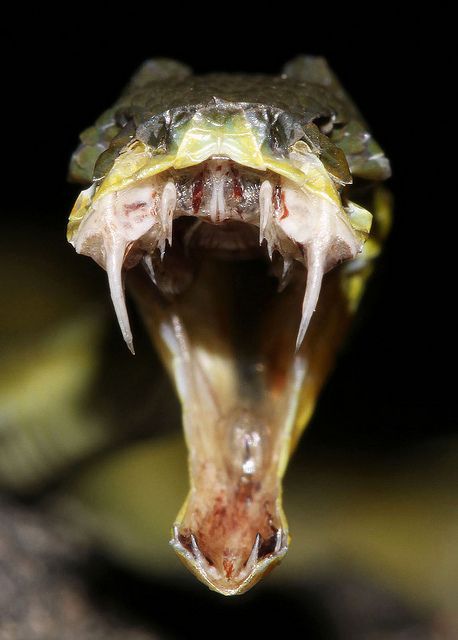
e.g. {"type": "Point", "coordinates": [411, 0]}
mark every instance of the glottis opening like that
{"type": "Point", "coordinates": [226, 264]}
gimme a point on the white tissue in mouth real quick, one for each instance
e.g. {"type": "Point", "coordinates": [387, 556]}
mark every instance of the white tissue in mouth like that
{"type": "Point", "coordinates": [166, 211]}
{"type": "Point", "coordinates": [116, 221]}
{"type": "Point", "coordinates": [320, 228]}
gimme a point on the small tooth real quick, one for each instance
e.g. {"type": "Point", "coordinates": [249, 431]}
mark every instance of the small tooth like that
{"type": "Point", "coordinates": [265, 210]}
{"type": "Point", "coordinates": [167, 208]}
{"type": "Point", "coordinates": [198, 555]}
{"type": "Point", "coordinates": [252, 560]}
{"type": "Point", "coordinates": [217, 205]}
{"type": "Point", "coordinates": [201, 561]}
{"type": "Point", "coordinates": [278, 540]}
{"type": "Point", "coordinates": [147, 263]}
{"type": "Point", "coordinates": [195, 548]}
{"type": "Point", "coordinates": [114, 261]}
{"type": "Point", "coordinates": [286, 274]}
{"type": "Point", "coordinates": [217, 201]}
{"type": "Point", "coordinates": [316, 257]}
{"type": "Point", "coordinates": [221, 198]}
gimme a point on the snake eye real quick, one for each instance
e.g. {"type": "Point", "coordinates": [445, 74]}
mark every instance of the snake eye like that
{"type": "Point", "coordinates": [155, 133]}
{"type": "Point", "coordinates": [283, 133]}
{"type": "Point", "coordinates": [325, 124]}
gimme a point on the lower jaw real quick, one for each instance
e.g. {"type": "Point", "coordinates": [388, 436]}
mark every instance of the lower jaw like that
{"type": "Point", "coordinates": [228, 342]}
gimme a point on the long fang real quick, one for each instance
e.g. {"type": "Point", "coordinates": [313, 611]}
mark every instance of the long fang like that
{"type": "Point", "coordinates": [316, 257]}
{"type": "Point", "coordinates": [114, 262]}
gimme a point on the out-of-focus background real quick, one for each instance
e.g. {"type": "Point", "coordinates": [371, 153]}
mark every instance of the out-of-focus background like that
{"type": "Point", "coordinates": [88, 434]}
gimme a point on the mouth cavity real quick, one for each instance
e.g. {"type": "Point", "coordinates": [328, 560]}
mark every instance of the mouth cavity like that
{"type": "Point", "coordinates": [226, 264]}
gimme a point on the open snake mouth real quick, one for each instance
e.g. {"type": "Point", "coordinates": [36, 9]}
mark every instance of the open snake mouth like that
{"type": "Point", "coordinates": [226, 263]}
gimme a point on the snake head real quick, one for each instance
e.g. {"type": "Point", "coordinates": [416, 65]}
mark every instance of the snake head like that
{"type": "Point", "coordinates": [228, 217]}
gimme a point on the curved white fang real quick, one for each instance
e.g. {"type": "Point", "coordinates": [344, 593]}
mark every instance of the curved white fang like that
{"type": "Point", "coordinates": [114, 261]}
{"type": "Point", "coordinates": [316, 258]}
{"type": "Point", "coordinates": [286, 273]}
{"type": "Point", "coordinates": [167, 208]}
{"type": "Point", "coordinates": [149, 268]}
{"type": "Point", "coordinates": [253, 558]}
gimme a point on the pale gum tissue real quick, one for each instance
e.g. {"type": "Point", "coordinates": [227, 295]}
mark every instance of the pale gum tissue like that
{"type": "Point", "coordinates": [202, 140]}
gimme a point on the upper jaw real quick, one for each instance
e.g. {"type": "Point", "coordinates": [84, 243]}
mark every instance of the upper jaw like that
{"type": "Point", "coordinates": [302, 222]}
